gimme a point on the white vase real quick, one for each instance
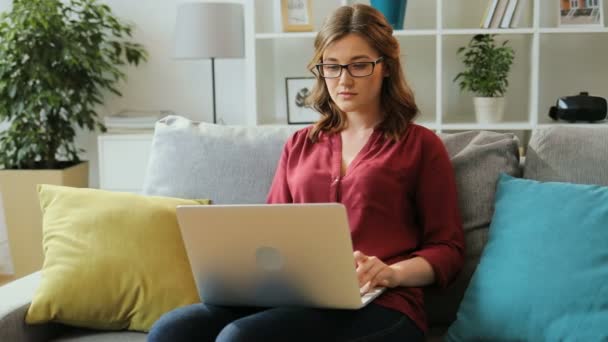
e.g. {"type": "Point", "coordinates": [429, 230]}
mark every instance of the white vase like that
{"type": "Point", "coordinates": [489, 109]}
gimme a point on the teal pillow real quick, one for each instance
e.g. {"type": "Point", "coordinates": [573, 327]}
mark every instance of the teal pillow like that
{"type": "Point", "coordinates": [543, 275]}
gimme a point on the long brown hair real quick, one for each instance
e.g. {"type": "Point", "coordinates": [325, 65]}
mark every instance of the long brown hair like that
{"type": "Point", "coordinates": [397, 99]}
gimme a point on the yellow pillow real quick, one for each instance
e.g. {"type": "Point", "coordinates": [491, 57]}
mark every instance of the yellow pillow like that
{"type": "Point", "coordinates": [111, 260]}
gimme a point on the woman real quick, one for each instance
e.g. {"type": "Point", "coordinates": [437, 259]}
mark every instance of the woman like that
{"type": "Point", "coordinates": [394, 178]}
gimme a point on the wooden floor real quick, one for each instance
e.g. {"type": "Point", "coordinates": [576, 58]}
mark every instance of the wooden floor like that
{"type": "Point", "coordinates": [5, 279]}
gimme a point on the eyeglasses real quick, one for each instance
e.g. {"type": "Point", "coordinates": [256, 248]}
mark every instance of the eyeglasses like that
{"type": "Point", "coordinates": [357, 69]}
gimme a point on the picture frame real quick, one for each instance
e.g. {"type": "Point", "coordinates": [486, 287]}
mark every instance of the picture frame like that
{"type": "Point", "coordinates": [296, 91]}
{"type": "Point", "coordinates": [296, 15]}
{"type": "Point", "coordinates": [580, 13]}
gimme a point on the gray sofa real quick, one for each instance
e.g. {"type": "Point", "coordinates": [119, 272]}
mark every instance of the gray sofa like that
{"type": "Point", "coordinates": [236, 165]}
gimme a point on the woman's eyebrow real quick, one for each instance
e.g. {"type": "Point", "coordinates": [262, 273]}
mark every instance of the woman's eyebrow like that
{"type": "Point", "coordinates": [331, 59]}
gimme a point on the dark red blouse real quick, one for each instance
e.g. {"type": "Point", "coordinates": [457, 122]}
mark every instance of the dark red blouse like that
{"type": "Point", "coordinates": [400, 198]}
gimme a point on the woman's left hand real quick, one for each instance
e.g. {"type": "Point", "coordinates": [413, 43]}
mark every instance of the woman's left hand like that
{"type": "Point", "coordinates": [373, 270]}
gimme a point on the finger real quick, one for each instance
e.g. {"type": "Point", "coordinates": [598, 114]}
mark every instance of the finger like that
{"type": "Point", "coordinates": [364, 266]}
{"type": "Point", "coordinates": [382, 279]}
{"type": "Point", "coordinates": [363, 269]}
{"type": "Point", "coordinates": [372, 272]}
{"type": "Point", "coordinates": [375, 275]}
{"type": "Point", "coordinates": [359, 257]}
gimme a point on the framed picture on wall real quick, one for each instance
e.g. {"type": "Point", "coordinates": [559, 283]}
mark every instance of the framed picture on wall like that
{"type": "Point", "coordinates": [296, 15]}
{"type": "Point", "coordinates": [581, 13]}
{"type": "Point", "coordinates": [297, 89]}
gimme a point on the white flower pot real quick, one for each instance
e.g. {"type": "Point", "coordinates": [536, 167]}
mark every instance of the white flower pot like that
{"type": "Point", "coordinates": [489, 109]}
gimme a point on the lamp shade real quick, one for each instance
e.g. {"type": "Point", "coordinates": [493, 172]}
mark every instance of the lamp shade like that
{"type": "Point", "coordinates": [209, 30]}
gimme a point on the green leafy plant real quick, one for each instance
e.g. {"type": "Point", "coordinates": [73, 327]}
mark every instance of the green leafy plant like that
{"type": "Point", "coordinates": [57, 58]}
{"type": "Point", "coordinates": [487, 66]}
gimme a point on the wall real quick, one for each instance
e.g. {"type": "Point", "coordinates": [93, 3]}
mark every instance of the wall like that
{"type": "Point", "coordinates": [163, 83]}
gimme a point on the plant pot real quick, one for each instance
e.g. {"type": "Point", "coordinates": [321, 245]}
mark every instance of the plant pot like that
{"type": "Point", "coordinates": [489, 109]}
{"type": "Point", "coordinates": [22, 210]}
{"type": "Point", "coordinates": [393, 10]}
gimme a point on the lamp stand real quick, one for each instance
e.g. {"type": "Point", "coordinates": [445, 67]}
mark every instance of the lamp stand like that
{"type": "Point", "coordinates": [213, 87]}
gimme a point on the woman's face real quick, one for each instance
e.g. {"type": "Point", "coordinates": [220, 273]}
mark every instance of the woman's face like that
{"type": "Point", "coordinates": [354, 94]}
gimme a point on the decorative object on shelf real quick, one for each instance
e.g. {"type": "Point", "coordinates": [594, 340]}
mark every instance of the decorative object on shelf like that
{"type": "Point", "coordinates": [296, 15]}
{"type": "Point", "coordinates": [297, 90]}
{"type": "Point", "coordinates": [503, 13]}
{"type": "Point", "coordinates": [209, 30]}
{"type": "Point", "coordinates": [46, 95]}
{"type": "Point", "coordinates": [581, 13]}
{"type": "Point", "coordinates": [580, 107]}
{"type": "Point", "coordinates": [486, 75]}
{"type": "Point", "coordinates": [134, 119]}
{"type": "Point", "coordinates": [393, 10]}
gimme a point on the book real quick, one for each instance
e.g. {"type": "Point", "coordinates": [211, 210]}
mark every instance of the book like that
{"type": "Point", "coordinates": [131, 120]}
{"type": "Point", "coordinates": [506, 19]}
{"type": "Point", "coordinates": [487, 19]}
{"type": "Point", "coordinates": [498, 13]}
{"type": "Point", "coordinates": [519, 10]}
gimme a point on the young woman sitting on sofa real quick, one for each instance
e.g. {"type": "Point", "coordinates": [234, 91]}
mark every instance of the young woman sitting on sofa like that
{"type": "Point", "coordinates": [394, 178]}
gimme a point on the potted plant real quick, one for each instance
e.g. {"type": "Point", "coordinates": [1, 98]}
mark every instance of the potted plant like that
{"type": "Point", "coordinates": [486, 75]}
{"type": "Point", "coordinates": [57, 59]}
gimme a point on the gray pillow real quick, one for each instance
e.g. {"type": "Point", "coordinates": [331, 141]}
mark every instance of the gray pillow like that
{"type": "Point", "coordinates": [568, 154]}
{"type": "Point", "coordinates": [227, 164]}
{"type": "Point", "coordinates": [478, 157]}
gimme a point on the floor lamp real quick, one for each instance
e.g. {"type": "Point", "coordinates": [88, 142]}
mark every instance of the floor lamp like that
{"type": "Point", "coordinates": [209, 30]}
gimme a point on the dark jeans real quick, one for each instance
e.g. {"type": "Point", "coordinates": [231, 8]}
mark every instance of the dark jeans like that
{"type": "Point", "coordinates": [201, 322]}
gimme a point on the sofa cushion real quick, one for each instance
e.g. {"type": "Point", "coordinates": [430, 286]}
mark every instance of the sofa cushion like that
{"type": "Point", "coordinates": [229, 164]}
{"type": "Point", "coordinates": [81, 335]}
{"type": "Point", "coordinates": [478, 159]}
{"type": "Point", "coordinates": [112, 260]}
{"type": "Point", "coordinates": [542, 275]}
{"type": "Point", "coordinates": [568, 154]}
{"type": "Point", "coordinates": [236, 165]}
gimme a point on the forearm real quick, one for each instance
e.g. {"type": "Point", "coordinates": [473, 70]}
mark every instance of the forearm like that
{"type": "Point", "coordinates": [414, 272]}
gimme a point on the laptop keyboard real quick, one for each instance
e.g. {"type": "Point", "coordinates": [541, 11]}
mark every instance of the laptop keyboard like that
{"type": "Point", "coordinates": [371, 294]}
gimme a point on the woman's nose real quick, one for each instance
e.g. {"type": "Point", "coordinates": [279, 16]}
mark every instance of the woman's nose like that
{"type": "Point", "coordinates": [345, 78]}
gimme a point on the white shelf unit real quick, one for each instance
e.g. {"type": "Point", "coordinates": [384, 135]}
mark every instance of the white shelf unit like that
{"type": "Point", "coordinates": [550, 61]}
{"type": "Point", "coordinates": [123, 160]}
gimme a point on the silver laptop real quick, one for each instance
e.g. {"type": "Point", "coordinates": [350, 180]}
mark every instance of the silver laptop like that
{"type": "Point", "coordinates": [272, 255]}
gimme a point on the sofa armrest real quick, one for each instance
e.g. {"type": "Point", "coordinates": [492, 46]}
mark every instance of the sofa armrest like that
{"type": "Point", "coordinates": [15, 299]}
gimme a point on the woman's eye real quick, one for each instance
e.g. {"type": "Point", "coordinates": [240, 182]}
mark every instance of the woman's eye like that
{"type": "Point", "coordinates": [359, 66]}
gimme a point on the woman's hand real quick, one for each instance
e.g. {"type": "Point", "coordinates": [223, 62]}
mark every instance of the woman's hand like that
{"type": "Point", "coordinates": [372, 270]}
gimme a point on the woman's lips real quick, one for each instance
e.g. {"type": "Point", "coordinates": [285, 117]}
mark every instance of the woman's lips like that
{"type": "Point", "coordinates": [346, 94]}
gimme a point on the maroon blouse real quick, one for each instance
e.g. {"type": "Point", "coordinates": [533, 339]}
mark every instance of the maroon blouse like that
{"type": "Point", "coordinates": [400, 198]}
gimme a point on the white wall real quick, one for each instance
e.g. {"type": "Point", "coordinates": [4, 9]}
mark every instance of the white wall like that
{"type": "Point", "coordinates": [163, 83]}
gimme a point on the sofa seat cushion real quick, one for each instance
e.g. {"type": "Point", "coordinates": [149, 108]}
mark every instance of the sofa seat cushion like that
{"type": "Point", "coordinates": [542, 275]}
{"type": "Point", "coordinates": [82, 335]}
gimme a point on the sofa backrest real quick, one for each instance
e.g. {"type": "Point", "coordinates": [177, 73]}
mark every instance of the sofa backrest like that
{"type": "Point", "coordinates": [230, 164]}
{"type": "Point", "coordinates": [227, 164]}
{"type": "Point", "coordinates": [568, 154]}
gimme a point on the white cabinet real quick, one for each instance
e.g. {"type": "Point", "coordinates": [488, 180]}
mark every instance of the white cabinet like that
{"type": "Point", "coordinates": [550, 61]}
{"type": "Point", "coordinates": [123, 160]}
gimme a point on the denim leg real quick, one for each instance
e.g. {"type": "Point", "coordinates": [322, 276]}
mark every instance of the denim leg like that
{"type": "Point", "coordinates": [197, 322]}
{"type": "Point", "coordinates": [371, 323]}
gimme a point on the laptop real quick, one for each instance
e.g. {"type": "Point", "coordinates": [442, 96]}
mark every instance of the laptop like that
{"type": "Point", "coordinates": [271, 255]}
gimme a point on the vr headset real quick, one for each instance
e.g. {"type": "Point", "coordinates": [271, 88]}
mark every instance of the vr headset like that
{"type": "Point", "coordinates": [580, 107]}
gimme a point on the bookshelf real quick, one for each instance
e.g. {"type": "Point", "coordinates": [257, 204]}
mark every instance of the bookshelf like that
{"type": "Point", "coordinates": [550, 61]}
